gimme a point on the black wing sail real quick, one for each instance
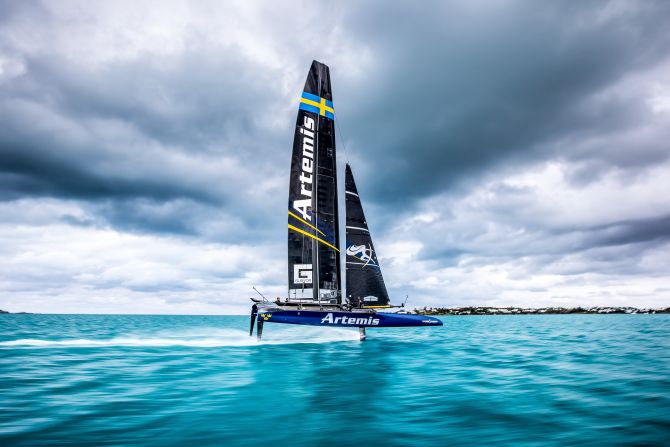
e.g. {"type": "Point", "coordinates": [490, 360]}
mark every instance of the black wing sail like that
{"type": "Point", "coordinates": [365, 284]}
{"type": "Point", "coordinates": [313, 231]}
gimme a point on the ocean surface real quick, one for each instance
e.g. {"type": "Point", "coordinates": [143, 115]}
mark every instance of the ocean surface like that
{"type": "Point", "coordinates": [527, 380]}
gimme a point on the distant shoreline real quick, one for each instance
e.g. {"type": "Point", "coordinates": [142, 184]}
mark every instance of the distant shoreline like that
{"type": "Point", "coordinates": [7, 312]}
{"type": "Point", "coordinates": [538, 311]}
{"type": "Point", "coordinates": [478, 310]}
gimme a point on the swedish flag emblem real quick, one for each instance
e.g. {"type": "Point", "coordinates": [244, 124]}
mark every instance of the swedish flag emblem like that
{"type": "Point", "coordinates": [318, 105]}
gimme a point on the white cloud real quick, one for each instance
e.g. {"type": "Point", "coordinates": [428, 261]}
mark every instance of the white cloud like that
{"type": "Point", "coordinates": [56, 267]}
{"type": "Point", "coordinates": [532, 238]}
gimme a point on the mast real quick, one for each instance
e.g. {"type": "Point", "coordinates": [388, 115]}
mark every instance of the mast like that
{"type": "Point", "coordinates": [365, 283]}
{"type": "Point", "coordinates": [317, 285]}
{"type": "Point", "coordinates": [313, 232]}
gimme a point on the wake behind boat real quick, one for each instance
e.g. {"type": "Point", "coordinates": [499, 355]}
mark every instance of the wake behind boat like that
{"type": "Point", "coordinates": [314, 271]}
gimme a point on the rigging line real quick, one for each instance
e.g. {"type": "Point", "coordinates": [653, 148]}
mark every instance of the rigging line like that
{"type": "Point", "coordinates": [338, 130]}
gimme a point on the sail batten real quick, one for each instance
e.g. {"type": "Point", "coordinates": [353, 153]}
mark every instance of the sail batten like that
{"type": "Point", "coordinates": [313, 232]}
{"type": "Point", "coordinates": [365, 283]}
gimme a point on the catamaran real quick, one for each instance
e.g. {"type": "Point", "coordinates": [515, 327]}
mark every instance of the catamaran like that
{"type": "Point", "coordinates": [314, 270]}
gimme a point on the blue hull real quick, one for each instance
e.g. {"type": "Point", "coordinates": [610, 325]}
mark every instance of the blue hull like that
{"type": "Point", "coordinates": [345, 319]}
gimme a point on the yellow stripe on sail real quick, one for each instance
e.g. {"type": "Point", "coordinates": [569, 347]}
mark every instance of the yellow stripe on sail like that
{"type": "Point", "coordinates": [291, 227]}
{"type": "Point", "coordinates": [306, 223]}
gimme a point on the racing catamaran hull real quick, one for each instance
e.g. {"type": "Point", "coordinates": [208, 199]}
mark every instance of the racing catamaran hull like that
{"type": "Point", "coordinates": [345, 319]}
{"type": "Point", "coordinates": [337, 318]}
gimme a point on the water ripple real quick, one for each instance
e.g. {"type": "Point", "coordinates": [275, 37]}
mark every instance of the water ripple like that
{"type": "Point", "coordinates": [187, 380]}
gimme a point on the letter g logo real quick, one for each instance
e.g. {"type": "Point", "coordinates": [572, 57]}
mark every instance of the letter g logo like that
{"type": "Point", "coordinates": [302, 273]}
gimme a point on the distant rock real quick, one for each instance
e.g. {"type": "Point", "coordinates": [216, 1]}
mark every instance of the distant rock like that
{"type": "Point", "coordinates": [3, 311]}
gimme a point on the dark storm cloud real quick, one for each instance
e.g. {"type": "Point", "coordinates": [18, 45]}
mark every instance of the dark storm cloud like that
{"type": "Point", "coordinates": [616, 248]}
{"type": "Point", "coordinates": [461, 89]}
{"type": "Point", "coordinates": [190, 109]}
{"type": "Point", "coordinates": [561, 241]}
{"type": "Point", "coordinates": [184, 217]}
{"type": "Point", "coordinates": [458, 88]}
{"type": "Point", "coordinates": [152, 216]}
{"type": "Point", "coordinates": [30, 170]}
{"type": "Point", "coordinates": [190, 101]}
{"type": "Point", "coordinates": [655, 229]}
{"type": "Point", "coordinates": [116, 132]}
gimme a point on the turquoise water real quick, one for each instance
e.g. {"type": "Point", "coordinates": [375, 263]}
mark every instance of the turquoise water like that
{"type": "Point", "coordinates": [201, 381]}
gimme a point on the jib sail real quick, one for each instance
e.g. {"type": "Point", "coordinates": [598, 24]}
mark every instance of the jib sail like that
{"type": "Point", "coordinates": [313, 231]}
{"type": "Point", "coordinates": [365, 284]}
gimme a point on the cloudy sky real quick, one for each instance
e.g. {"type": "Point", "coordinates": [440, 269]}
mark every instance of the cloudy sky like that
{"type": "Point", "coordinates": [507, 152]}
